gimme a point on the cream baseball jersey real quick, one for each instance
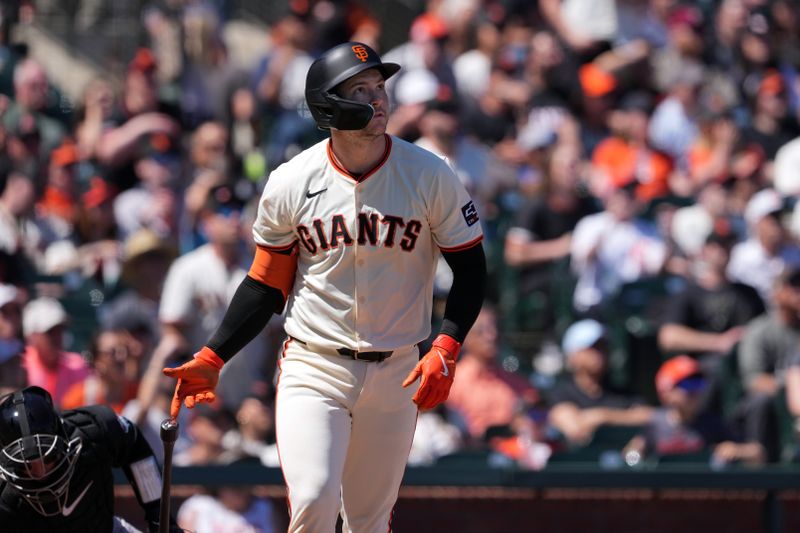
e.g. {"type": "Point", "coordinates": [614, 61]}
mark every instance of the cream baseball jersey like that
{"type": "Point", "coordinates": [365, 244]}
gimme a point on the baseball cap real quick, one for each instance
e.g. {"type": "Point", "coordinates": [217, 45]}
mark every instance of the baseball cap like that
{"type": "Point", "coordinates": [581, 335]}
{"type": "Point", "coordinates": [143, 61]}
{"type": "Point", "coordinates": [225, 199]}
{"type": "Point", "coordinates": [8, 293]}
{"type": "Point", "coordinates": [65, 155]}
{"type": "Point", "coordinates": [97, 192]}
{"type": "Point", "coordinates": [41, 315]}
{"type": "Point", "coordinates": [416, 87]}
{"type": "Point", "coordinates": [685, 15]}
{"type": "Point", "coordinates": [596, 81]}
{"type": "Point", "coordinates": [682, 371]}
{"type": "Point", "coordinates": [763, 203]}
{"type": "Point", "coordinates": [428, 27]}
{"type": "Point", "coordinates": [771, 83]}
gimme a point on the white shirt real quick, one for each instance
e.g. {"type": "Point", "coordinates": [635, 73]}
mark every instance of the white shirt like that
{"type": "Point", "coordinates": [750, 264]}
{"type": "Point", "coordinates": [197, 290]}
{"type": "Point", "coordinates": [204, 514]}
{"type": "Point", "coordinates": [367, 249]}
{"type": "Point", "coordinates": [624, 252]}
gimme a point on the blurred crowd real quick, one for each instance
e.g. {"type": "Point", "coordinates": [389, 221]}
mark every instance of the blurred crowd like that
{"type": "Point", "coordinates": [636, 167]}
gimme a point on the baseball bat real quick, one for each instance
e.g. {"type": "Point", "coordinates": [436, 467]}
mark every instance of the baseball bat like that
{"type": "Point", "coordinates": [169, 434]}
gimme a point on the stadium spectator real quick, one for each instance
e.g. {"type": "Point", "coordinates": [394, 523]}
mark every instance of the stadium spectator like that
{"type": "Point", "coordinates": [152, 203]}
{"type": "Point", "coordinates": [765, 353]}
{"type": "Point", "coordinates": [228, 510]}
{"type": "Point", "coordinates": [540, 239]}
{"type": "Point", "coordinates": [46, 363]}
{"type": "Point", "coordinates": [707, 317]}
{"type": "Point", "coordinates": [613, 247]}
{"type": "Point", "coordinates": [12, 374]}
{"type": "Point", "coordinates": [279, 81]}
{"type": "Point", "coordinates": [116, 358]}
{"type": "Point", "coordinates": [19, 232]}
{"type": "Point", "coordinates": [771, 125]}
{"type": "Point", "coordinates": [627, 158]}
{"type": "Point", "coordinates": [145, 260]}
{"type": "Point", "coordinates": [681, 427]}
{"type": "Point", "coordinates": [31, 93]}
{"type": "Point", "coordinates": [584, 401]}
{"type": "Point", "coordinates": [768, 250]}
{"type": "Point", "coordinates": [139, 116]}
{"type": "Point", "coordinates": [253, 437]}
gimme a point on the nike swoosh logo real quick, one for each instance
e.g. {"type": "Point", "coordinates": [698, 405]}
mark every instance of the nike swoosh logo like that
{"type": "Point", "coordinates": [69, 508]}
{"type": "Point", "coordinates": [445, 370]}
{"type": "Point", "coordinates": [313, 194]}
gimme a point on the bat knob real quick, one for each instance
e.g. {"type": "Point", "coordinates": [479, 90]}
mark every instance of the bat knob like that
{"type": "Point", "coordinates": [169, 430]}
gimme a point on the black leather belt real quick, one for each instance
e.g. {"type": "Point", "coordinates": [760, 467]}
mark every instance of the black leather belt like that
{"type": "Point", "coordinates": [371, 357]}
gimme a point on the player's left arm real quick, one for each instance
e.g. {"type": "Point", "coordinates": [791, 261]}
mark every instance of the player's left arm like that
{"type": "Point", "coordinates": [129, 450]}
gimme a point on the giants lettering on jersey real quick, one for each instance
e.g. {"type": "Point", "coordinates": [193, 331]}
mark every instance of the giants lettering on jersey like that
{"type": "Point", "coordinates": [372, 229]}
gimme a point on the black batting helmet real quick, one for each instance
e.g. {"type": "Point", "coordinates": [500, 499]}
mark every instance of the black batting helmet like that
{"type": "Point", "coordinates": [332, 68]}
{"type": "Point", "coordinates": [36, 459]}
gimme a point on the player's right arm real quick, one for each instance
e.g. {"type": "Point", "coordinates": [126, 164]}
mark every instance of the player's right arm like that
{"type": "Point", "coordinates": [263, 291]}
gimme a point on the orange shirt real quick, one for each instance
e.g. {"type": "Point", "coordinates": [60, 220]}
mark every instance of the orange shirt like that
{"type": "Point", "coordinates": [623, 163]}
{"type": "Point", "coordinates": [487, 396]}
{"type": "Point", "coordinates": [92, 392]}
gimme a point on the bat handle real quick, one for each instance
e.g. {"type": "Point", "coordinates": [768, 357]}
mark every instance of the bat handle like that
{"type": "Point", "coordinates": [169, 434]}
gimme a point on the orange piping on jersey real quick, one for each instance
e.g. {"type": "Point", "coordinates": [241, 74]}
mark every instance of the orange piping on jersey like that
{"type": "Point", "coordinates": [339, 168]}
{"type": "Point", "coordinates": [277, 448]}
{"type": "Point", "coordinates": [274, 269]}
{"type": "Point", "coordinates": [463, 247]}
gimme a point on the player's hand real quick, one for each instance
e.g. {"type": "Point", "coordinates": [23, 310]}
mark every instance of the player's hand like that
{"type": "Point", "coordinates": [197, 380]}
{"type": "Point", "coordinates": [437, 369]}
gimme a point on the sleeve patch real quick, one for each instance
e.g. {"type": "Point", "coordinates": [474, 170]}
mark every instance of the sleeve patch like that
{"type": "Point", "coordinates": [147, 478]}
{"type": "Point", "coordinates": [470, 213]}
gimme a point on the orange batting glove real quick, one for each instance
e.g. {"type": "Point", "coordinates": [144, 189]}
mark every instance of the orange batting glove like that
{"type": "Point", "coordinates": [437, 368]}
{"type": "Point", "coordinates": [197, 380]}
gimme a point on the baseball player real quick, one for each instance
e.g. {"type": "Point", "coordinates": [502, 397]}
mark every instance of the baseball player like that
{"type": "Point", "coordinates": [56, 471]}
{"type": "Point", "coordinates": [348, 235]}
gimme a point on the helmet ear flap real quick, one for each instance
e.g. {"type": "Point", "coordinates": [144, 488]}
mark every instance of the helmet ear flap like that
{"type": "Point", "coordinates": [347, 114]}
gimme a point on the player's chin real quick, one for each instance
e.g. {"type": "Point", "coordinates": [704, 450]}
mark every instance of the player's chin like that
{"type": "Point", "coordinates": [378, 123]}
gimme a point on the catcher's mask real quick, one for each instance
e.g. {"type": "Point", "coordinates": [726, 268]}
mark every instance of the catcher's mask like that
{"type": "Point", "coordinates": [335, 66]}
{"type": "Point", "coordinates": [36, 458]}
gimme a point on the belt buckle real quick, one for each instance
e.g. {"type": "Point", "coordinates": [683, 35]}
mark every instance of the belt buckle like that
{"type": "Point", "coordinates": [355, 355]}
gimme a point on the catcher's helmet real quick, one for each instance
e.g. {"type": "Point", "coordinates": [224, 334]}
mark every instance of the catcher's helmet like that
{"type": "Point", "coordinates": [332, 68]}
{"type": "Point", "coordinates": [36, 459]}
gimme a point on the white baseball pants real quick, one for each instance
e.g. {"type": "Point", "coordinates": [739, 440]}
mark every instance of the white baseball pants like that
{"type": "Point", "coordinates": [344, 430]}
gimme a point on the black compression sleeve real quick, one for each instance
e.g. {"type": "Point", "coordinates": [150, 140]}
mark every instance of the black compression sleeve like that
{"type": "Point", "coordinates": [466, 295]}
{"type": "Point", "coordinates": [249, 311]}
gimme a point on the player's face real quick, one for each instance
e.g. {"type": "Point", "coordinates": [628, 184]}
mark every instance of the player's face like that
{"type": "Point", "coordinates": [369, 87]}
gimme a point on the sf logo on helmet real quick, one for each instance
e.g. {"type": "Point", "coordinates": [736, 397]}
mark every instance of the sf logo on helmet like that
{"type": "Point", "coordinates": [361, 53]}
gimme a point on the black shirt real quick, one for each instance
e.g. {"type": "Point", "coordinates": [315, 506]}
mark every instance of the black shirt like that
{"type": "Point", "coordinates": [567, 391]}
{"type": "Point", "coordinates": [546, 224]}
{"type": "Point", "coordinates": [714, 311]}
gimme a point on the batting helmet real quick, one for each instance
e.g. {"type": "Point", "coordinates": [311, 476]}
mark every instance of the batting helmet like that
{"type": "Point", "coordinates": [332, 68]}
{"type": "Point", "coordinates": [36, 458]}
